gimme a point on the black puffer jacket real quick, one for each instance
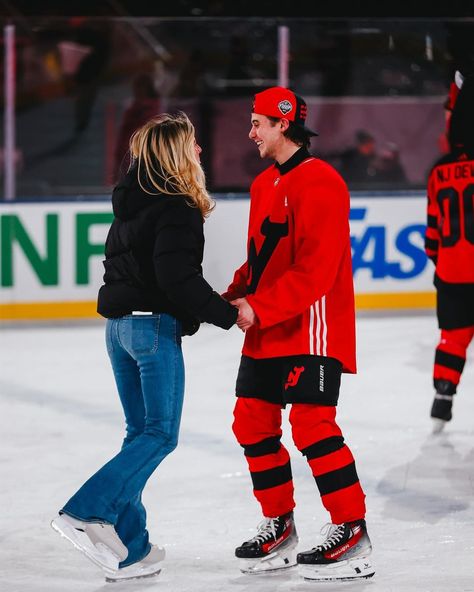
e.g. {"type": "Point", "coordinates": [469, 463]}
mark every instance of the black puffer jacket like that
{"type": "Point", "coordinates": [154, 253]}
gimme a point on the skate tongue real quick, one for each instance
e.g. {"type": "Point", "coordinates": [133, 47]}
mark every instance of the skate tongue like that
{"type": "Point", "coordinates": [333, 534]}
{"type": "Point", "coordinates": [360, 522]}
{"type": "Point", "coordinates": [329, 529]}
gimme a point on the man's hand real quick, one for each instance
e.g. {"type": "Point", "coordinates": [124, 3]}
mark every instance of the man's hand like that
{"type": "Point", "coordinates": [246, 316]}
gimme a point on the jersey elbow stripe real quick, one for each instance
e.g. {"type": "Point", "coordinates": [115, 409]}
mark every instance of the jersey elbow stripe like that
{"type": "Point", "coordinates": [432, 221]}
{"type": "Point", "coordinates": [431, 245]}
{"type": "Point", "coordinates": [432, 233]}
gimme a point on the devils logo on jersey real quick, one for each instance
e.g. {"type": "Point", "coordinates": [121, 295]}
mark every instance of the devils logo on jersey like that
{"type": "Point", "coordinates": [294, 376]}
{"type": "Point", "coordinates": [273, 233]}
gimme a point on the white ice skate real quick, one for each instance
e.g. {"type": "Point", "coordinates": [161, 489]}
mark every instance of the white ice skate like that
{"type": "Point", "coordinates": [98, 541]}
{"type": "Point", "coordinates": [272, 549]}
{"type": "Point", "coordinates": [148, 567]}
{"type": "Point", "coordinates": [344, 555]}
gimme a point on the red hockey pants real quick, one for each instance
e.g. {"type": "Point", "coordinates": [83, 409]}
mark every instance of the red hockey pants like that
{"type": "Point", "coordinates": [257, 427]}
{"type": "Point", "coordinates": [450, 355]}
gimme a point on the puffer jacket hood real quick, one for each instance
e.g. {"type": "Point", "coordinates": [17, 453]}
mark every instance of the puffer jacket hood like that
{"type": "Point", "coordinates": [128, 198]}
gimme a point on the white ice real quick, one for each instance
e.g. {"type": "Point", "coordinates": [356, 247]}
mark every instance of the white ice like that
{"type": "Point", "coordinates": [60, 420]}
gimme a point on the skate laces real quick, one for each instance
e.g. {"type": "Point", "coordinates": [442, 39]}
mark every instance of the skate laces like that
{"type": "Point", "coordinates": [334, 534]}
{"type": "Point", "coordinates": [266, 530]}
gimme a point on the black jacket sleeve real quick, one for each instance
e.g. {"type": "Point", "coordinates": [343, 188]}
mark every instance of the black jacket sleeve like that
{"type": "Point", "coordinates": [177, 261]}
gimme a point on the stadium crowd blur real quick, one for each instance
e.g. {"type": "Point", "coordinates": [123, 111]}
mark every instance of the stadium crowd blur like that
{"type": "Point", "coordinates": [375, 91]}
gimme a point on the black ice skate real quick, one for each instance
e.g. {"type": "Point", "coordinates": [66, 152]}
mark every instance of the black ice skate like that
{"type": "Point", "coordinates": [273, 547]}
{"type": "Point", "coordinates": [344, 555]}
{"type": "Point", "coordinates": [441, 410]}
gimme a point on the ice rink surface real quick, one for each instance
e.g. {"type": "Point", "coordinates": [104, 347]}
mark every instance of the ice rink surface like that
{"type": "Point", "coordinates": [61, 420]}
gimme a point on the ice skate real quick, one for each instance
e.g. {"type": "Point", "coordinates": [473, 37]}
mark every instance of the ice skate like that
{"type": "Point", "coordinates": [148, 567]}
{"type": "Point", "coordinates": [344, 555]}
{"type": "Point", "coordinates": [273, 547]}
{"type": "Point", "coordinates": [441, 410]}
{"type": "Point", "coordinates": [97, 540]}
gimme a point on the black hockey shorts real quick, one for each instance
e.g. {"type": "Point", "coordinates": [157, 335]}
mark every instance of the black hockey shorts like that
{"type": "Point", "coordinates": [290, 379]}
{"type": "Point", "coordinates": [454, 311]}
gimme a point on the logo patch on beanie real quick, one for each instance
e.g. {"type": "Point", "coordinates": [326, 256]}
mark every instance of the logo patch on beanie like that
{"type": "Point", "coordinates": [285, 106]}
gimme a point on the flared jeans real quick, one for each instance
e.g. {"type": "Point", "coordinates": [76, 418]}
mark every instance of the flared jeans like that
{"type": "Point", "coordinates": [147, 361]}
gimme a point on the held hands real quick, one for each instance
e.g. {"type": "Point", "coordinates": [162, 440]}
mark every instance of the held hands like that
{"type": "Point", "coordinates": [246, 316]}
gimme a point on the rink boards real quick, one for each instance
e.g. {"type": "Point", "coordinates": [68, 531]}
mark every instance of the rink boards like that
{"type": "Point", "coordinates": [52, 252]}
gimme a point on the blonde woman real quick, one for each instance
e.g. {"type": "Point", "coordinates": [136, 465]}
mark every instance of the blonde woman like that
{"type": "Point", "coordinates": [153, 293]}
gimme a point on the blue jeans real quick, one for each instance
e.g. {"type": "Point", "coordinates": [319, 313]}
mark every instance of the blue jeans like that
{"type": "Point", "coordinates": [146, 357]}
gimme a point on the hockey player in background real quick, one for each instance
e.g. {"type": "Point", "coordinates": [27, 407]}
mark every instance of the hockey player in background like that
{"type": "Point", "coordinates": [296, 304]}
{"type": "Point", "coordinates": [449, 243]}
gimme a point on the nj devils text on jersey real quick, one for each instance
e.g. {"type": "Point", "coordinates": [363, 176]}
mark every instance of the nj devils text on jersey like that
{"type": "Point", "coordinates": [449, 238]}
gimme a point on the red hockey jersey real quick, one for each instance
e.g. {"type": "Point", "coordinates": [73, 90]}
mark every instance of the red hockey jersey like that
{"type": "Point", "coordinates": [449, 239]}
{"type": "Point", "coordinates": [298, 273]}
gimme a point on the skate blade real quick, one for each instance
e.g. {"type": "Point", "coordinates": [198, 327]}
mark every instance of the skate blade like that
{"type": "Point", "coordinates": [110, 563]}
{"type": "Point", "coordinates": [352, 569]}
{"type": "Point", "coordinates": [258, 568]}
{"type": "Point", "coordinates": [111, 580]}
{"type": "Point", "coordinates": [283, 558]}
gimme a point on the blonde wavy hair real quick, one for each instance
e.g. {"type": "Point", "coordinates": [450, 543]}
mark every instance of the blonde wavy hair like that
{"type": "Point", "coordinates": [165, 153]}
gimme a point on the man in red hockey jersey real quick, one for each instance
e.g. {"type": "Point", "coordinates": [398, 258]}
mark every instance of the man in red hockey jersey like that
{"type": "Point", "coordinates": [449, 242]}
{"type": "Point", "coordinates": [296, 305]}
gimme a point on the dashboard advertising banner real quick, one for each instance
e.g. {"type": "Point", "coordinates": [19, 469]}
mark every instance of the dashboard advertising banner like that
{"type": "Point", "coordinates": [51, 254]}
